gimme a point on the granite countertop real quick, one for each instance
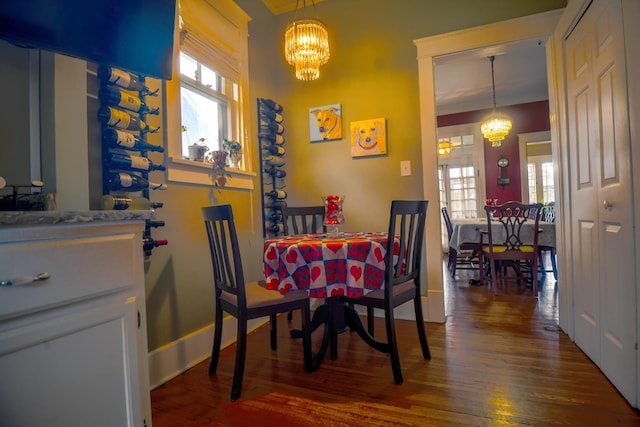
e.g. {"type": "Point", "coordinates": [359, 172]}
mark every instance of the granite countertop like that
{"type": "Point", "coordinates": [70, 217]}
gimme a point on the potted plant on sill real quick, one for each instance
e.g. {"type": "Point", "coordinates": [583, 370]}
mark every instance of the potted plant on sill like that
{"type": "Point", "coordinates": [235, 152]}
{"type": "Point", "coordinates": [218, 161]}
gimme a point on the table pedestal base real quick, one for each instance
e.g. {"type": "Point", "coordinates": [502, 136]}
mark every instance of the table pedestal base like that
{"type": "Point", "coordinates": [337, 317]}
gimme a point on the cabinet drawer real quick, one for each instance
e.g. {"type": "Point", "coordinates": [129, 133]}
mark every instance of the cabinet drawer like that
{"type": "Point", "coordinates": [79, 268]}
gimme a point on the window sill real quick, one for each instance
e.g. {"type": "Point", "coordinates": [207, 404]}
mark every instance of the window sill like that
{"type": "Point", "coordinates": [188, 171]}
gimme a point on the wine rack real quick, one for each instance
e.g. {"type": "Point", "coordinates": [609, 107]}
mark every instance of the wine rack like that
{"type": "Point", "coordinates": [272, 152]}
{"type": "Point", "coordinates": [125, 163]}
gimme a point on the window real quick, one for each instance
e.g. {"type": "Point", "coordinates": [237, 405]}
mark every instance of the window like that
{"type": "Point", "coordinates": [208, 103]}
{"type": "Point", "coordinates": [460, 173]}
{"type": "Point", "coordinates": [207, 98]}
{"type": "Point", "coordinates": [540, 179]}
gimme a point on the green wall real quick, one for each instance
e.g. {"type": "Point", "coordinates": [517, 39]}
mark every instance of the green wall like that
{"type": "Point", "coordinates": [373, 73]}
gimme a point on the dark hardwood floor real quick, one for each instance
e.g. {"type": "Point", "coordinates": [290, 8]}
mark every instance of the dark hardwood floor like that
{"type": "Point", "coordinates": [495, 361]}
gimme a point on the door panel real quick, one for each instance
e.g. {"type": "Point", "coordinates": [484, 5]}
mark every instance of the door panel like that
{"type": "Point", "coordinates": [600, 192]}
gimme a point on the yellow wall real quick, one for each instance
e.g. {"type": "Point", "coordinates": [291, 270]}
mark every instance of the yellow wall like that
{"type": "Point", "coordinates": [373, 73]}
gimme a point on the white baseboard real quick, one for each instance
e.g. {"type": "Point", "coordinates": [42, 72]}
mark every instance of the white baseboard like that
{"type": "Point", "coordinates": [173, 359]}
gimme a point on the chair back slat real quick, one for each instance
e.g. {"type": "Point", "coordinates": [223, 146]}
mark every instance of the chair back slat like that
{"type": "Point", "coordinates": [303, 220]}
{"type": "Point", "coordinates": [407, 222]}
{"type": "Point", "coordinates": [225, 251]}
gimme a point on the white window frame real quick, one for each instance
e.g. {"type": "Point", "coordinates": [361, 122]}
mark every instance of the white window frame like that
{"type": "Point", "coordinates": [225, 26]}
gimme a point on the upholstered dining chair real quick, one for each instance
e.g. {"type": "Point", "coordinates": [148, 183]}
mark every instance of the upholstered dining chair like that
{"type": "Point", "coordinates": [303, 220]}
{"type": "Point", "coordinates": [402, 280]}
{"type": "Point", "coordinates": [512, 238]}
{"type": "Point", "coordinates": [245, 300]}
{"type": "Point", "coordinates": [467, 257]}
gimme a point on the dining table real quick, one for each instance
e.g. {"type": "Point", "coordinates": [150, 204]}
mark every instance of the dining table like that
{"type": "Point", "coordinates": [469, 231]}
{"type": "Point", "coordinates": [332, 267]}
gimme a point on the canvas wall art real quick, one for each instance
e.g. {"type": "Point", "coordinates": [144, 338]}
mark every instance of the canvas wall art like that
{"type": "Point", "coordinates": [369, 137]}
{"type": "Point", "coordinates": [325, 123]}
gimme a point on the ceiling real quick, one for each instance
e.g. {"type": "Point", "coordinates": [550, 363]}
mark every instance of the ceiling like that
{"type": "Point", "coordinates": [463, 79]}
{"type": "Point", "coordinates": [282, 6]}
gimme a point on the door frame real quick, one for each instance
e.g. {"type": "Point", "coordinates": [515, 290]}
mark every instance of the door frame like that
{"type": "Point", "coordinates": [539, 26]}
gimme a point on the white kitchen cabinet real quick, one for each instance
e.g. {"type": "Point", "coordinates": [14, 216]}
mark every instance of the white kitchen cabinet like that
{"type": "Point", "coordinates": [73, 348]}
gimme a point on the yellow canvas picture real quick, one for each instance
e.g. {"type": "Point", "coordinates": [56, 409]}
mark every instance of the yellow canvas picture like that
{"type": "Point", "coordinates": [369, 137]}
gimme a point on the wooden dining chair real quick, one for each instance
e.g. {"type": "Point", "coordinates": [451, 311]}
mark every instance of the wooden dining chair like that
{"type": "Point", "coordinates": [548, 214]}
{"type": "Point", "coordinates": [466, 257]}
{"type": "Point", "coordinates": [402, 280]}
{"type": "Point", "coordinates": [245, 300]}
{"type": "Point", "coordinates": [303, 220]}
{"type": "Point", "coordinates": [508, 243]}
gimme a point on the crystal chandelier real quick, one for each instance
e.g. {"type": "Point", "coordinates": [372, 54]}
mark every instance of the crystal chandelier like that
{"type": "Point", "coordinates": [306, 45]}
{"type": "Point", "coordinates": [496, 127]}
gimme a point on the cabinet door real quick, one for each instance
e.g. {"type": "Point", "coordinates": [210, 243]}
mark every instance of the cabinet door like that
{"type": "Point", "coordinates": [75, 367]}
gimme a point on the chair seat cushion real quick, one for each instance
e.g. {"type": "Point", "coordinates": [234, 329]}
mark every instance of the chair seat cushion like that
{"type": "Point", "coordinates": [397, 289]}
{"type": "Point", "coordinates": [258, 295]}
{"type": "Point", "coordinates": [497, 248]}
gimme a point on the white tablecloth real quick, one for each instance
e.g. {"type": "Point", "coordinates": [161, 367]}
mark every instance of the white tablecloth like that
{"type": "Point", "coordinates": [467, 231]}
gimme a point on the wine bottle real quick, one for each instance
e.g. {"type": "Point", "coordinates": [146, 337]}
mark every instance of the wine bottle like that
{"type": "Point", "coordinates": [269, 114]}
{"type": "Point", "coordinates": [273, 105]}
{"type": "Point", "coordinates": [271, 138]}
{"type": "Point", "coordinates": [274, 161]}
{"type": "Point", "coordinates": [153, 224]}
{"type": "Point", "coordinates": [118, 203]}
{"type": "Point", "coordinates": [131, 162]}
{"type": "Point", "coordinates": [276, 194]}
{"type": "Point", "coordinates": [110, 116]}
{"type": "Point", "coordinates": [274, 228]}
{"type": "Point", "coordinates": [273, 217]}
{"type": "Point", "coordinates": [121, 139]}
{"type": "Point", "coordinates": [276, 150]}
{"type": "Point", "coordinates": [150, 243]}
{"type": "Point", "coordinates": [276, 205]}
{"type": "Point", "coordinates": [124, 79]}
{"type": "Point", "coordinates": [271, 126]}
{"type": "Point", "coordinates": [120, 98]}
{"type": "Point", "coordinates": [128, 182]}
{"type": "Point", "coordinates": [275, 172]}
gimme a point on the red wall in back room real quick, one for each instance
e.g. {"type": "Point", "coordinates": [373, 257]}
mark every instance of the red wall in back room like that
{"type": "Point", "coordinates": [529, 117]}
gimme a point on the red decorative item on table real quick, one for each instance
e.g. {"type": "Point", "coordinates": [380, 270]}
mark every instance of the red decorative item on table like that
{"type": "Point", "coordinates": [333, 216]}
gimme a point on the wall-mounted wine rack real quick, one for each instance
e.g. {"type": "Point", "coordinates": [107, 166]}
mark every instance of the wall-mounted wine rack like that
{"type": "Point", "coordinates": [125, 165]}
{"type": "Point", "coordinates": [272, 151]}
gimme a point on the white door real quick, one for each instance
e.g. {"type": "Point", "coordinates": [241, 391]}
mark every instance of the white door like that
{"type": "Point", "coordinates": [602, 245]}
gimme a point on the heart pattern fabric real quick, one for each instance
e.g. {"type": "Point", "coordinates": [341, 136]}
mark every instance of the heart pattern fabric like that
{"type": "Point", "coordinates": [352, 265]}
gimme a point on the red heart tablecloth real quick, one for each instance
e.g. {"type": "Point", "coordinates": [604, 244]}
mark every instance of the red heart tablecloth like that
{"type": "Point", "coordinates": [352, 265]}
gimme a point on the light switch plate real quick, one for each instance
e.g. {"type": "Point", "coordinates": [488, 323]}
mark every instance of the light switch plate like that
{"type": "Point", "coordinates": [405, 168]}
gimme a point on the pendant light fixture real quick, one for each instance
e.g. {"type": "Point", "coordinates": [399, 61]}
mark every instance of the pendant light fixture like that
{"type": "Point", "coordinates": [497, 126]}
{"type": "Point", "coordinates": [445, 147]}
{"type": "Point", "coordinates": [306, 44]}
